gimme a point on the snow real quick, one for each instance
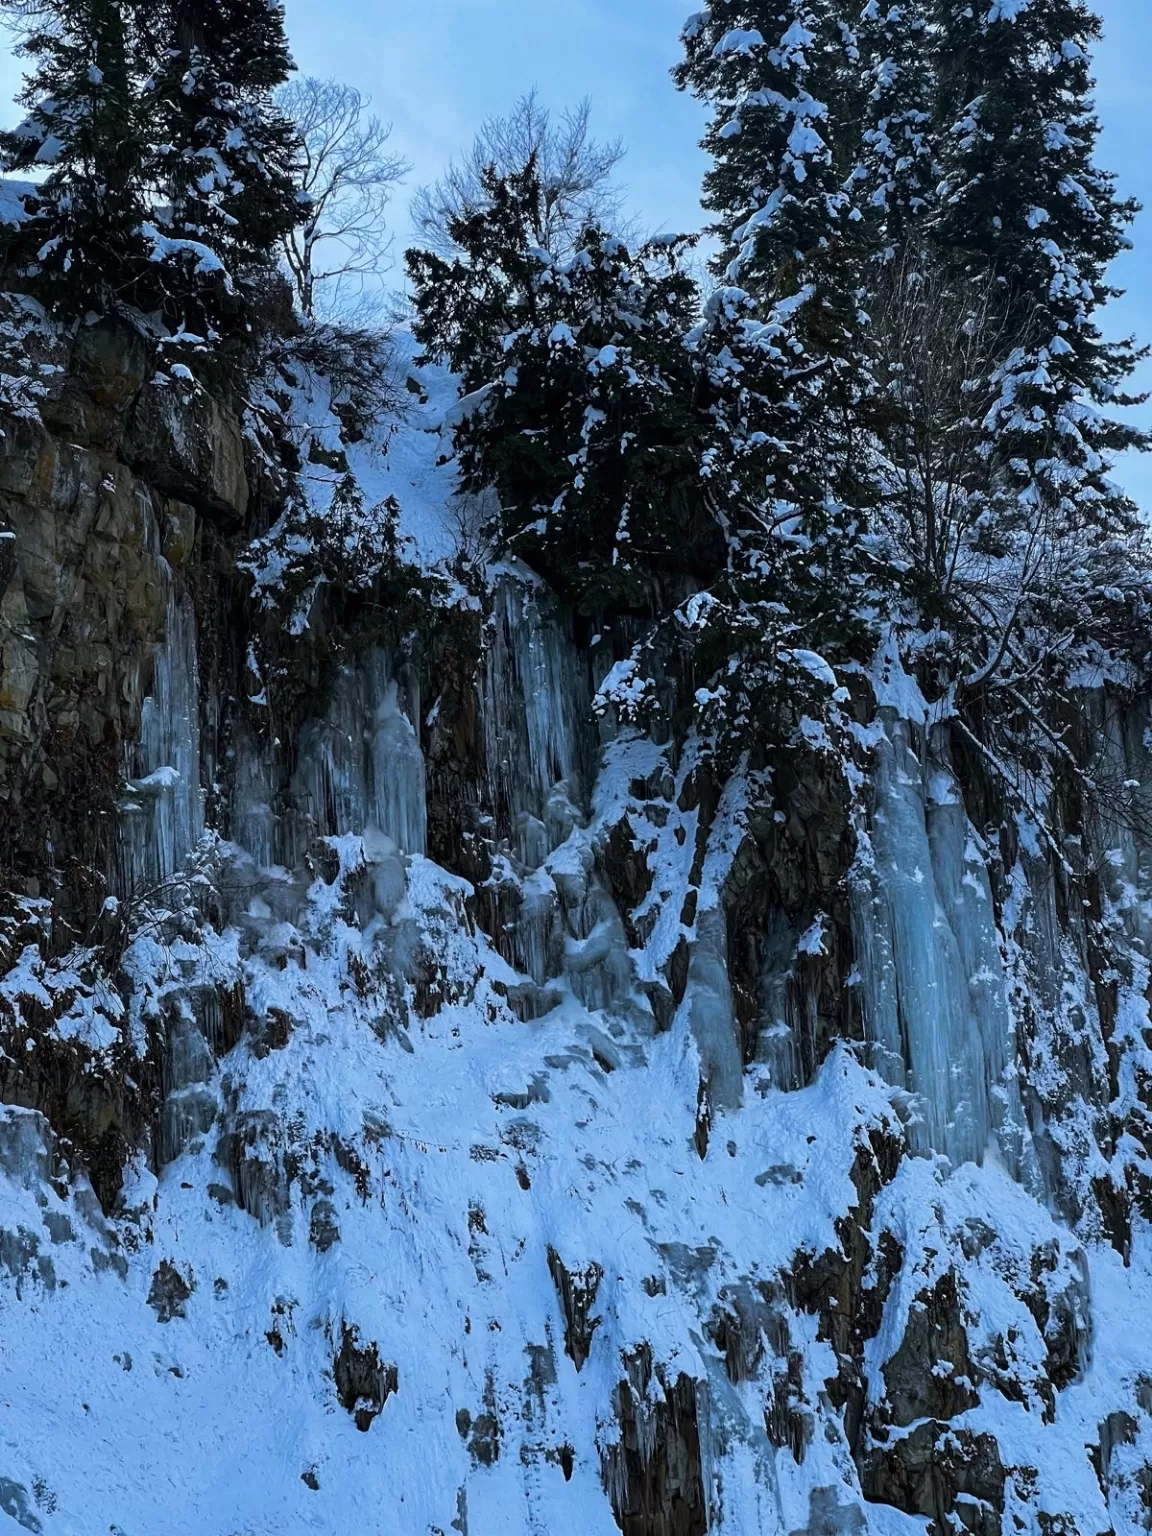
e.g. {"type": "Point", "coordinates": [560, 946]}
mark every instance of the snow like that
{"type": "Point", "coordinates": [410, 459]}
{"type": "Point", "coordinates": [12, 195]}
{"type": "Point", "coordinates": [738, 40]}
{"type": "Point", "coordinates": [402, 1118]}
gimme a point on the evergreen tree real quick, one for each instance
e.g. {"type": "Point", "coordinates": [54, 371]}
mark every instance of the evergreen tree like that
{"type": "Point", "coordinates": [768, 69]}
{"type": "Point", "coordinates": [1028, 223]}
{"type": "Point", "coordinates": [897, 174]}
{"type": "Point", "coordinates": [648, 460]}
{"type": "Point", "coordinates": [223, 157]}
{"type": "Point", "coordinates": [782, 78]}
{"type": "Point", "coordinates": [82, 246]}
{"type": "Point", "coordinates": [1025, 203]}
{"type": "Point", "coordinates": [580, 402]}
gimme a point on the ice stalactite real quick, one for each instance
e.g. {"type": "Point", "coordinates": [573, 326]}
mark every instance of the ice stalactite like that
{"type": "Point", "coordinates": [163, 808]}
{"type": "Point", "coordinates": [361, 766]}
{"type": "Point", "coordinates": [541, 747]}
{"type": "Point", "coordinates": [711, 1015]}
{"type": "Point", "coordinates": [536, 699]}
{"type": "Point", "coordinates": [398, 776]}
{"type": "Point", "coordinates": [928, 952]}
{"type": "Point", "coordinates": [252, 819]}
{"type": "Point", "coordinates": [1123, 808]}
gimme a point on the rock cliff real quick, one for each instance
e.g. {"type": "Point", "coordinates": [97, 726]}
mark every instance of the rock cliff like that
{"type": "Point", "coordinates": [432, 1105]}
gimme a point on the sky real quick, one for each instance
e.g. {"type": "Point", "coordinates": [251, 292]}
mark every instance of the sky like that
{"type": "Point", "coordinates": [436, 68]}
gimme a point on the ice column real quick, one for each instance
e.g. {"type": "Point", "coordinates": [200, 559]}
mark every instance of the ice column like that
{"type": "Point", "coordinates": [361, 766]}
{"type": "Point", "coordinates": [163, 807]}
{"type": "Point", "coordinates": [536, 702]}
{"type": "Point", "coordinates": [253, 816]}
{"type": "Point", "coordinates": [398, 776]}
{"type": "Point", "coordinates": [933, 988]}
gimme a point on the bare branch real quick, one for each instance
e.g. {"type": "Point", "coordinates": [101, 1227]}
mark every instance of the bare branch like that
{"type": "Point", "coordinates": [340, 250]}
{"type": "Point", "coordinates": [575, 171]}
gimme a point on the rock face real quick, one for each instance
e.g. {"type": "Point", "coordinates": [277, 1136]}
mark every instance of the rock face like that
{"type": "Point", "coordinates": [99, 506]}
{"type": "Point", "coordinates": [419, 1095]}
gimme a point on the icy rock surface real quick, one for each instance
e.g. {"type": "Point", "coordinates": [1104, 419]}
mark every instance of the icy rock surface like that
{"type": "Point", "coordinates": [469, 1208]}
{"type": "Point", "coordinates": [163, 810]}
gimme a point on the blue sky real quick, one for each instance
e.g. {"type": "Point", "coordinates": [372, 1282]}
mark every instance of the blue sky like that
{"type": "Point", "coordinates": [437, 68]}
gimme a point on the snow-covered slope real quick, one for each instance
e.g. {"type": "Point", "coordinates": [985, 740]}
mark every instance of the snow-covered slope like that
{"type": "Point", "coordinates": [503, 1206]}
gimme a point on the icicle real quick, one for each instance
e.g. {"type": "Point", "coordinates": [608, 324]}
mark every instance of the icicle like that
{"type": "Point", "coordinates": [398, 776]}
{"type": "Point", "coordinates": [1123, 776]}
{"type": "Point", "coordinates": [710, 1012]}
{"type": "Point", "coordinates": [361, 766]}
{"type": "Point", "coordinates": [928, 954]}
{"type": "Point", "coordinates": [536, 699]}
{"type": "Point", "coordinates": [253, 818]}
{"type": "Point", "coordinates": [959, 862]}
{"type": "Point", "coordinates": [164, 805]}
{"type": "Point", "coordinates": [778, 1047]}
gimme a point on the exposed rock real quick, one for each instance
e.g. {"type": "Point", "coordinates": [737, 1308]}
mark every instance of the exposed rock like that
{"type": "Point", "coordinates": [191, 448]}
{"type": "Point", "coordinates": [931, 1374]}
{"type": "Point", "coordinates": [324, 1229]}
{"type": "Point", "coordinates": [363, 1383]}
{"type": "Point", "coordinates": [169, 1291]}
{"type": "Point", "coordinates": [577, 1292]}
{"type": "Point", "coordinates": [830, 1514]}
{"type": "Point", "coordinates": [481, 1435]}
{"type": "Point", "coordinates": [655, 1473]}
{"type": "Point", "coordinates": [253, 1150]}
{"type": "Point", "coordinates": [941, 1472]}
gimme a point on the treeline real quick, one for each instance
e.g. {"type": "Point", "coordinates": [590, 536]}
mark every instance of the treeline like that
{"type": "Point", "coordinates": [889, 406]}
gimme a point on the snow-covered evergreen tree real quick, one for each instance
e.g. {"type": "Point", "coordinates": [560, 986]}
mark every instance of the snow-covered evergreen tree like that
{"type": "Point", "coordinates": [782, 79]}
{"type": "Point", "coordinates": [223, 157]}
{"type": "Point", "coordinates": [897, 175]}
{"type": "Point", "coordinates": [82, 246]}
{"type": "Point", "coordinates": [768, 69]}
{"type": "Point", "coordinates": [580, 405]}
{"type": "Point", "coordinates": [1054, 555]}
{"type": "Point", "coordinates": [1025, 203]}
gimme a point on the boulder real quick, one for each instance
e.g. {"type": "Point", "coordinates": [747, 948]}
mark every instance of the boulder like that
{"type": "Point", "coordinates": [190, 448]}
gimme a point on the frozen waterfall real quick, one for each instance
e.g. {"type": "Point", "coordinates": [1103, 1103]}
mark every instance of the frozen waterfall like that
{"type": "Point", "coordinates": [935, 1001]}
{"type": "Point", "coordinates": [163, 805]}
{"type": "Point", "coordinates": [536, 700]}
{"type": "Point", "coordinates": [361, 765]}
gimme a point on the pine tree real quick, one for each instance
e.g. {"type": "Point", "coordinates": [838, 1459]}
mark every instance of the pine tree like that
{"type": "Point", "coordinates": [223, 157]}
{"type": "Point", "coordinates": [82, 247]}
{"type": "Point", "coordinates": [648, 460]}
{"type": "Point", "coordinates": [747, 643]}
{"type": "Point", "coordinates": [1025, 203]}
{"type": "Point", "coordinates": [897, 174]}
{"type": "Point", "coordinates": [782, 78]}
{"type": "Point", "coordinates": [1029, 218]}
{"type": "Point", "coordinates": [581, 409]}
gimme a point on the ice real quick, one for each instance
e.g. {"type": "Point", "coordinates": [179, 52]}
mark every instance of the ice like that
{"type": "Point", "coordinates": [361, 765]}
{"type": "Point", "coordinates": [710, 1013]}
{"type": "Point", "coordinates": [253, 815]}
{"type": "Point", "coordinates": [398, 776]}
{"type": "Point", "coordinates": [537, 716]}
{"type": "Point", "coordinates": [163, 807]}
{"type": "Point", "coordinates": [933, 987]}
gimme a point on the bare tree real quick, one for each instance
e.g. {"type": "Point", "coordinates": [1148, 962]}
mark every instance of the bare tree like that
{"type": "Point", "coordinates": [349, 173]}
{"type": "Point", "coordinates": [1012, 595]}
{"type": "Point", "coordinates": [575, 171]}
